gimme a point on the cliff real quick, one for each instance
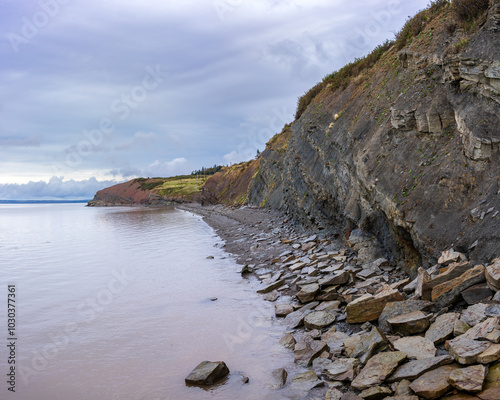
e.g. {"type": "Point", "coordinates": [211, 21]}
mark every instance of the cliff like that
{"type": "Point", "coordinates": [403, 144]}
{"type": "Point", "coordinates": [150, 192]}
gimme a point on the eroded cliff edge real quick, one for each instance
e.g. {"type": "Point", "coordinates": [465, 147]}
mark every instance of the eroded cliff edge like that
{"type": "Point", "coordinates": [407, 150]}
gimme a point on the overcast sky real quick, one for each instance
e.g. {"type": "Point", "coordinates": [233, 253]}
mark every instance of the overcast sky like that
{"type": "Point", "coordinates": [96, 92]}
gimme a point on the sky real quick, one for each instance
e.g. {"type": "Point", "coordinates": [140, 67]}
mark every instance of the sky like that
{"type": "Point", "coordinates": [97, 92]}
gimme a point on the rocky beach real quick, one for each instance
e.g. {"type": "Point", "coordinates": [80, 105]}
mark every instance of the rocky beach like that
{"type": "Point", "coordinates": [362, 327]}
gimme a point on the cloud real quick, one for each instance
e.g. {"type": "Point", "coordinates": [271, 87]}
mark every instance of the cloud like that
{"type": "Point", "coordinates": [55, 189]}
{"type": "Point", "coordinates": [140, 138]}
{"type": "Point", "coordinates": [158, 168]}
{"type": "Point", "coordinates": [31, 141]}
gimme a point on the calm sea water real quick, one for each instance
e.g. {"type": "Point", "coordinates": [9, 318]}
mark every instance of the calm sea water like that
{"type": "Point", "coordinates": [114, 303]}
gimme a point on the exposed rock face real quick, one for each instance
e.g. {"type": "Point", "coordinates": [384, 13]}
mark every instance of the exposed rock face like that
{"type": "Point", "coordinates": [396, 141]}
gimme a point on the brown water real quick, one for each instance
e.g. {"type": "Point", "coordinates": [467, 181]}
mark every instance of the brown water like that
{"type": "Point", "coordinates": [114, 303]}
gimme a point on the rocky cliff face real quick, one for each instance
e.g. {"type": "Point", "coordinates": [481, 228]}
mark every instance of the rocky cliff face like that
{"type": "Point", "coordinates": [408, 151]}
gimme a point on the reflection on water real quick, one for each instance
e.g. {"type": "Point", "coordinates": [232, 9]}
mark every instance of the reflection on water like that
{"type": "Point", "coordinates": [115, 304]}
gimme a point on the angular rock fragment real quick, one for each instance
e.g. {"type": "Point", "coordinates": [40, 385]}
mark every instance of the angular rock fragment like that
{"type": "Point", "coordinates": [339, 278]}
{"type": "Point", "coordinates": [470, 379]}
{"type": "Point", "coordinates": [409, 324]}
{"type": "Point", "coordinates": [492, 274]}
{"type": "Point", "coordinates": [377, 369]}
{"type": "Point", "coordinates": [364, 345]}
{"type": "Point", "coordinates": [477, 293]}
{"type": "Point", "coordinates": [453, 271]}
{"type": "Point", "coordinates": [369, 307]}
{"type": "Point", "coordinates": [451, 256]}
{"type": "Point", "coordinates": [490, 355]}
{"type": "Point", "coordinates": [307, 351]}
{"type": "Point", "coordinates": [308, 293]}
{"type": "Point", "coordinates": [434, 384]}
{"type": "Point", "coordinates": [442, 328]}
{"type": "Point", "coordinates": [342, 369]}
{"type": "Point", "coordinates": [399, 308]}
{"type": "Point", "coordinates": [295, 319]}
{"type": "Point", "coordinates": [414, 369]}
{"type": "Point", "coordinates": [448, 292]}
{"type": "Point", "coordinates": [375, 393]}
{"type": "Point", "coordinates": [475, 314]}
{"type": "Point", "coordinates": [335, 341]}
{"type": "Point", "coordinates": [206, 373]}
{"type": "Point", "coordinates": [282, 310]}
{"type": "Point", "coordinates": [277, 379]}
{"type": "Point", "coordinates": [318, 320]}
{"type": "Point", "coordinates": [490, 394]}
{"type": "Point", "coordinates": [460, 327]}
{"type": "Point", "coordinates": [288, 341]}
{"type": "Point", "coordinates": [306, 381]}
{"type": "Point", "coordinates": [416, 347]}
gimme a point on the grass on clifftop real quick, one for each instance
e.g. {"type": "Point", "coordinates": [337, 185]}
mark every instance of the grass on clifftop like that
{"type": "Point", "coordinates": [177, 186]}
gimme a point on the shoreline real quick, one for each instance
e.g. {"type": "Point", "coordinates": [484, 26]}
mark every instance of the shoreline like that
{"type": "Point", "coordinates": [358, 324]}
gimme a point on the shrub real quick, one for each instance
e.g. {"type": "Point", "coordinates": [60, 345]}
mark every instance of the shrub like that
{"type": "Point", "coordinates": [417, 24]}
{"type": "Point", "coordinates": [466, 11]}
{"type": "Point", "coordinates": [341, 78]}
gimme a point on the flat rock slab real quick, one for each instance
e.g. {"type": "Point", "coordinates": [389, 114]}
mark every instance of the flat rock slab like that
{"type": "Point", "coordinates": [468, 347]}
{"type": "Point", "coordinates": [339, 278]}
{"type": "Point", "coordinates": [434, 384]}
{"type": "Point", "coordinates": [428, 283]}
{"type": "Point", "coordinates": [306, 381]}
{"type": "Point", "coordinates": [295, 319]}
{"type": "Point", "coordinates": [362, 346]}
{"type": "Point", "coordinates": [370, 307]}
{"type": "Point", "coordinates": [470, 379]}
{"type": "Point", "coordinates": [308, 293]}
{"type": "Point", "coordinates": [277, 379]}
{"type": "Point", "coordinates": [416, 347]}
{"type": "Point", "coordinates": [318, 320]}
{"type": "Point", "coordinates": [377, 369]}
{"type": "Point", "coordinates": [450, 256]}
{"type": "Point", "coordinates": [477, 293]}
{"type": "Point", "coordinates": [375, 393]}
{"type": "Point", "coordinates": [475, 314]}
{"type": "Point", "coordinates": [409, 324]}
{"type": "Point", "coordinates": [400, 308]}
{"type": "Point", "coordinates": [442, 328]}
{"type": "Point", "coordinates": [282, 310]}
{"type": "Point", "coordinates": [415, 369]}
{"type": "Point", "coordinates": [207, 372]}
{"type": "Point", "coordinates": [341, 369]}
{"type": "Point", "coordinates": [271, 287]}
{"type": "Point", "coordinates": [447, 293]}
{"type": "Point", "coordinates": [490, 394]}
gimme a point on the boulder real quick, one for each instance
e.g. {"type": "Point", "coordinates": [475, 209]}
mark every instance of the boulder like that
{"type": "Point", "coordinates": [447, 293]}
{"type": "Point", "coordinates": [370, 307]}
{"type": "Point", "coordinates": [414, 369]}
{"type": "Point", "coordinates": [416, 347]}
{"type": "Point", "coordinates": [206, 373]}
{"type": "Point", "coordinates": [470, 379]}
{"type": "Point", "coordinates": [442, 328]}
{"type": "Point", "coordinates": [434, 384]}
{"type": "Point", "coordinates": [409, 324]}
{"type": "Point", "coordinates": [377, 369]}
{"type": "Point", "coordinates": [308, 293]}
{"type": "Point", "coordinates": [306, 381]}
{"type": "Point", "coordinates": [318, 320]}
{"type": "Point", "coordinates": [399, 308]}
{"type": "Point", "coordinates": [277, 379]}
{"type": "Point", "coordinates": [365, 344]}
{"type": "Point", "coordinates": [492, 274]}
